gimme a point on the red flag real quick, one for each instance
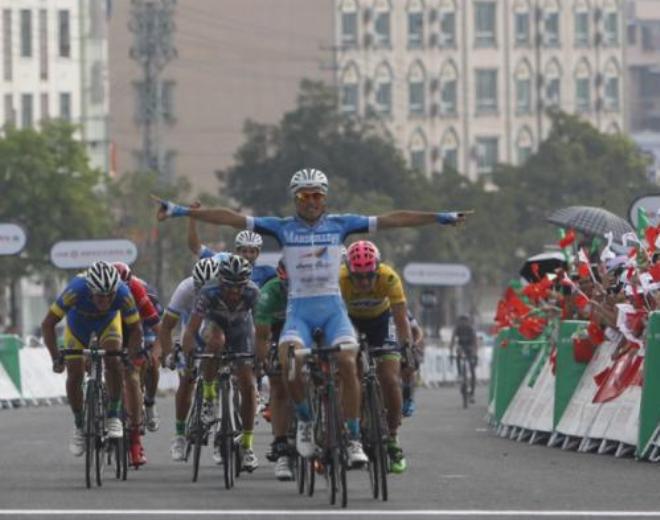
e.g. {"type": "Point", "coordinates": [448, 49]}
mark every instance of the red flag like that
{"type": "Point", "coordinates": [568, 239]}
{"type": "Point", "coordinates": [583, 349]}
{"type": "Point", "coordinates": [654, 271]}
{"type": "Point", "coordinates": [531, 327]}
{"type": "Point", "coordinates": [614, 380]}
{"type": "Point", "coordinates": [581, 300]}
{"type": "Point", "coordinates": [584, 269]}
{"type": "Point", "coordinates": [596, 334]}
{"type": "Point", "coordinates": [651, 236]}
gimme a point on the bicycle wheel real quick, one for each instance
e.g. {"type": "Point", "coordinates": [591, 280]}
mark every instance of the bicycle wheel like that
{"type": "Point", "coordinates": [90, 435]}
{"type": "Point", "coordinates": [195, 428]}
{"type": "Point", "coordinates": [99, 441]}
{"type": "Point", "coordinates": [375, 440]}
{"type": "Point", "coordinates": [121, 449]}
{"type": "Point", "coordinates": [342, 458]}
{"type": "Point", "coordinates": [464, 383]}
{"type": "Point", "coordinates": [226, 436]}
{"type": "Point", "coordinates": [300, 473]}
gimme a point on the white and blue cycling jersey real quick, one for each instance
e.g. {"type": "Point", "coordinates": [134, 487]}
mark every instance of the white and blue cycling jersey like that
{"type": "Point", "coordinates": [260, 273]}
{"type": "Point", "coordinates": [312, 255]}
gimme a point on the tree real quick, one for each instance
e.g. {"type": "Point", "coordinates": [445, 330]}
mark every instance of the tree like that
{"type": "Point", "coordinates": [367, 172]}
{"type": "Point", "coordinates": [49, 188]}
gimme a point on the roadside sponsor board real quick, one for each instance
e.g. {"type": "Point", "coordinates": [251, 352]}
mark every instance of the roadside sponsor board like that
{"type": "Point", "coordinates": [74, 254]}
{"type": "Point", "coordinates": [12, 239]}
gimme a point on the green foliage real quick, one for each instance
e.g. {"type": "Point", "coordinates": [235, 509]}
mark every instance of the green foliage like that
{"type": "Point", "coordinates": [49, 189]}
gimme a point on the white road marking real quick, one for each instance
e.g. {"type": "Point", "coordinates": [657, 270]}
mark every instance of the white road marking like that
{"type": "Point", "coordinates": [367, 512]}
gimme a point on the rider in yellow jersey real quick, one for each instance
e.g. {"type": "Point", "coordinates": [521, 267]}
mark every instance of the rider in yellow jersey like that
{"type": "Point", "coordinates": [375, 298]}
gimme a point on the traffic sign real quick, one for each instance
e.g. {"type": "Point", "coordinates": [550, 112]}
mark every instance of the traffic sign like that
{"type": "Point", "coordinates": [74, 254]}
{"type": "Point", "coordinates": [451, 275]}
{"type": "Point", "coordinates": [12, 239]}
{"type": "Point", "coordinates": [651, 203]}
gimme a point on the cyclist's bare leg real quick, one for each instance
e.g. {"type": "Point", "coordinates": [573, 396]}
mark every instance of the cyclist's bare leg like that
{"type": "Point", "coordinates": [113, 371]}
{"type": "Point", "coordinates": [247, 386]}
{"type": "Point", "coordinates": [295, 388]}
{"type": "Point", "coordinates": [215, 343]}
{"type": "Point", "coordinates": [151, 380]}
{"type": "Point", "coordinates": [350, 385]}
{"type": "Point", "coordinates": [75, 373]}
{"type": "Point", "coordinates": [279, 407]}
{"type": "Point", "coordinates": [183, 397]}
{"type": "Point", "coordinates": [388, 371]}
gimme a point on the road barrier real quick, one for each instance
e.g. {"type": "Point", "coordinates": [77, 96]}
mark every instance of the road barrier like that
{"type": "Point", "coordinates": [610, 404]}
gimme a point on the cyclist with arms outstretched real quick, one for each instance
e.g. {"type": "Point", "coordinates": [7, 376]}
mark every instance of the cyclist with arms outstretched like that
{"type": "Point", "coordinates": [312, 243]}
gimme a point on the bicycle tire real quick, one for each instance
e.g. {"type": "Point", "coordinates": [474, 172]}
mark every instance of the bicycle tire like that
{"type": "Point", "coordinates": [99, 443]}
{"type": "Point", "coordinates": [196, 430]}
{"type": "Point", "coordinates": [89, 431]}
{"type": "Point", "coordinates": [464, 383]}
{"type": "Point", "coordinates": [226, 436]}
{"type": "Point", "coordinates": [342, 458]}
{"type": "Point", "coordinates": [300, 473]}
{"type": "Point", "coordinates": [378, 452]}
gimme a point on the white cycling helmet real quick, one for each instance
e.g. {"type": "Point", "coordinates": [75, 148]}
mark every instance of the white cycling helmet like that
{"type": "Point", "coordinates": [102, 278]}
{"type": "Point", "coordinates": [248, 238]}
{"type": "Point", "coordinates": [235, 270]}
{"type": "Point", "coordinates": [308, 178]}
{"type": "Point", "coordinates": [204, 271]}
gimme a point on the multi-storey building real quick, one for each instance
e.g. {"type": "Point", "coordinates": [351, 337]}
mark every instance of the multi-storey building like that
{"type": "Point", "coordinates": [466, 83]}
{"type": "Point", "coordinates": [54, 65]}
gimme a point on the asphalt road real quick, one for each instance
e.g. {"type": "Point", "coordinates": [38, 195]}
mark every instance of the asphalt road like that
{"type": "Point", "coordinates": [457, 469]}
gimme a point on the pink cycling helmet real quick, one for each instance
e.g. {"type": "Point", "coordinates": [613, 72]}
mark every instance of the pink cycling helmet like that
{"type": "Point", "coordinates": [362, 257]}
{"type": "Point", "coordinates": [124, 271]}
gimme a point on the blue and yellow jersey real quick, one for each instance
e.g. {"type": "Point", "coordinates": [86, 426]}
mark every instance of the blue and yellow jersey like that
{"type": "Point", "coordinates": [76, 302]}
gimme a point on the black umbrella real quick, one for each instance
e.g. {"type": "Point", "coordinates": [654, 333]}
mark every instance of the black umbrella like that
{"type": "Point", "coordinates": [591, 221]}
{"type": "Point", "coordinates": [547, 263]}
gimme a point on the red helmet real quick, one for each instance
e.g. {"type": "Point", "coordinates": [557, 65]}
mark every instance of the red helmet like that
{"type": "Point", "coordinates": [124, 271]}
{"type": "Point", "coordinates": [362, 257]}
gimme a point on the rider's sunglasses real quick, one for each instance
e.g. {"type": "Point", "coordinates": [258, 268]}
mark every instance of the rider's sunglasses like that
{"type": "Point", "coordinates": [303, 196]}
{"type": "Point", "coordinates": [363, 276]}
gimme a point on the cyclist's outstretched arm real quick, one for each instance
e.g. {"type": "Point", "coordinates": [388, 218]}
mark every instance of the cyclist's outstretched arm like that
{"type": "Point", "coordinates": [400, 315]}
{"type": "Point", "coordinates": [409, 218]}
{"type": "Point", "coordinates": [219, 216]}
{"type": "Point", "coordinates": [188, 341]}
{"type": "Point", "coordinates": [194, 242]}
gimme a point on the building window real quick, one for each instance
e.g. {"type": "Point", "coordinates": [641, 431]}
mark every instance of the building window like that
{"type": "Point", "coordinates": [417, 151]}
{"type": "Point", "coordinates": [582, 29]}
{"type": "Point", "coordinates": [485, 24]}
{"type": "Point", "coordinates": [582, 94]}
{"type": "Point", "coordinates": [612, 28]}
{"type": "Point", "coordinates": [10, 113]}
{"type": "Point", "coordinates": [449, 104]}
{"type": "Point", "coordinates": [611, 90]}
{"type": "Point", "coordinates": [521, 21]}
{"type": "Point", "coordinates": [65, 106]}
{"type": "Point", "coordinates": [349, 90]}
{"type": "Point", "coordinates": [349, 98]}
{"type": "Point", "coordinates": [449, 151]}
{"type": "Point", "coordinates": [167, 101]}
{"type": "Point", "coordinates": [415, 30]}
{"type": "Point", "coordinates": [487, 154]}
{"type": "Point", "coordinates": [97, 88]}
{"type": "Point", "coordinates": [416, 90]}
{"type": "Point", "coordinates": [553, 92]}
{"type": "Point", "coordinates": [612, 94]}
{"type": "Point", "coordinates": [523, 95]}
{"type": "Point", "coordinates": [448, 29]}
{"type": "Point", "coordinates": [632, 34]}
{"type": "Point", "coordinates": [486, 91]}
{"type": "Point", "coordinates": [551, 25]}
{"type": "Point", "coordinates": [64, 34]}
{"type": "Point", "coordinates": [45, 108]}
{"type": "Point", "coordinates": [7, 45]}
{"type": "Point", "coordinates": [384, 98]}
{"type": "Point", "coordinates": [26, 33]}
{"type": "Point", "coordinates": [450, 159]}
{"type": "Point", "coordinates": [43, 44]}
{"type": "Point", "coordinates": [382, 28]}
{"type": "Point", "coordinates": [349, 29]}
{"type": "Point", "coordinates": [27, 111]}
{"type": "Point", "coordinates": [524, 145]}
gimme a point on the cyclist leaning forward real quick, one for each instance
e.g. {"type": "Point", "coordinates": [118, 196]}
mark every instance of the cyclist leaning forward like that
{"type": "Point", "coordinates": [225, 306]}
{"type": "Point", "coordinates": [312, 244]}
{"type": "Point", "coordinates": [269, 318]}
{"type": "Point", "coordinates": [374, 295]}
{"type": "Point", "coordinates": [96, 302]}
